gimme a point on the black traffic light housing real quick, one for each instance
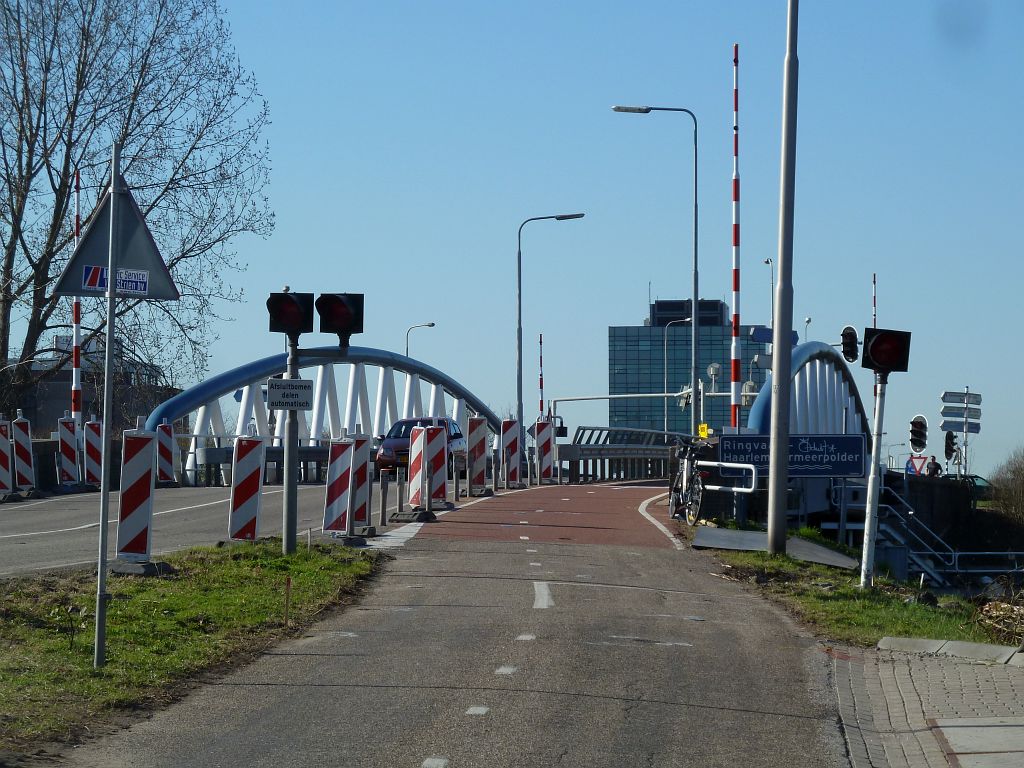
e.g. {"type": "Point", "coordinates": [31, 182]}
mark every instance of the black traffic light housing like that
{"type": "Point", "coordinates": [918, 434]}
{"type": "Point", "coordinates": [340, 313]}
{"type": "Point", "coordinates": [886, 351]}
{"type": "Point", "coordinates": [291, 313]}
{"type": "Point", "coordinates": [950, 445]}
{"type": "Point", "coordinates": [850, 351]}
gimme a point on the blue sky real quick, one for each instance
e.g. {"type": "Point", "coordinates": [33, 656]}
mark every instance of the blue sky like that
{"type": "Point", "coordinates": [410, 139]}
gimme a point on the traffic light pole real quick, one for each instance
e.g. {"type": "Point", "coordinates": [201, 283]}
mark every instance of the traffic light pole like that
{"type": "Point", "coordinates": [289, 520]}
{"type": "Point", "coordinates": [867, 562]}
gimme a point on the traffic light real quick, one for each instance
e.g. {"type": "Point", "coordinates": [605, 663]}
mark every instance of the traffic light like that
{"type": "Point", "coordinates": [291, 313]}
{"type": "Point", "coordinates": [918, 434]}
{"type": "Point", "coordinates": [850, 351]}
{"type": "Point", "coordinates": [886, 351]}
{"type": "Point", "coordinates": [340, 313]}
{"type": "Point", "coordinates": [950, 445]}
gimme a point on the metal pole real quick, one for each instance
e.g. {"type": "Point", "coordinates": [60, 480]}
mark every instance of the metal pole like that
{"type": "Point", "coordinates": [291, 454]}
{"type": "Point", "coordinates": [100, 646]}
{"type": "Point", "coordinates": [867, 563]}
{"type": "Point", "coordinates": [665, 367]}
{"type": "Point", "coordinates": [782, 353]}
{"type": "Point", "coordinates": [383, 520]}
{"type": "Point", "coordinates": [695, 315]}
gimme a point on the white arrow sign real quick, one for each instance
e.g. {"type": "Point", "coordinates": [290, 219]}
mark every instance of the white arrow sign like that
{"type": "Point", "coordinates": [960, 412]}
{"type": "Point", "coordinates": [968, 398]}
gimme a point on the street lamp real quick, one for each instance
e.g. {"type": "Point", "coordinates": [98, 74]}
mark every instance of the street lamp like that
{"type": "Point", "coordinates": [807, 323]}
{"type": "Point", "coordinates": [421, 325]}
{"type": "Point", "coordinates": [695, 325]}
{"type": "Point", "coordinates": [771, 269]}
{"type": "Point", "coordinates": [519, 316]}
{"type": "Point", "coordinates": [665, 369]}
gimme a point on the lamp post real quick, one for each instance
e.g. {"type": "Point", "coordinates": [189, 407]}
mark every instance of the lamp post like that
{"type": "Point", "coordinates": [771, 270]}
{"type": "Point", "coordinates": [695, 314]}
{"type": "Point", "coordinates": [665, 369]}
{"type": "Point", "coordinates": [420, 325]}
{"type": "Point", "coordinates": [519, 315]}
{"type": "Point", "coordinates": [807, 324]}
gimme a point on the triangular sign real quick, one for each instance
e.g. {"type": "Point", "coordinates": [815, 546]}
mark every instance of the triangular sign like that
{"type": "Point", "coordinates": [141, 272]}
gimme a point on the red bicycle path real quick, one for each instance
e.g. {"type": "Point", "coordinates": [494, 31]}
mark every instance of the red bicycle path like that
{"type": "Point", "coordinates": [605, 514]}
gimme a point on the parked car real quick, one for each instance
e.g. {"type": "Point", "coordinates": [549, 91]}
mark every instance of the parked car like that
{"type": "Point", "coordinates": [394, 446]}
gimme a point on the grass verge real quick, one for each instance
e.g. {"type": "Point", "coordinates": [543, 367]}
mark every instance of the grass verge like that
{"type": "Point", "coordinates": [830, 601]}
{"type": "Point", "coordinates": [220, 607]}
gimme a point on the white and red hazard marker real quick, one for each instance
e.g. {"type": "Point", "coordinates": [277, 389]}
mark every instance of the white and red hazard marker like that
{"type": "Point", "coordinates": [93, 451]}
{"type": "Point", "coordinates": [736, 369]}
{"type": "Point", "coordinates": [165, 453]}
{"type": "Point", "coordinates": [246, 488]}
{"type": "Point", "coordinates": [339, 473]}
{"type": "Point", "coordinates": [510, 449]}
{"type": "Point", "coordinates": [135, 516]}
{"type": "Point", "coordinates": [24, 464]}
{"type": "Point", "coordinates": [545, 450]}
{"type": "Point", "coordinates": [476, 455]}
{"type": "Point", "coordinates": [437, 462]}
{"type": "Point", "coordinates": [417, 466]}
{"type": "Point", "coordinates": [76, 324]}
{"type": "Point", "coordinates": [67, 457]}
{"type": "Point", "coordinates": [360, 481]}
{"type": "Point", "coordinates": [6, 458]}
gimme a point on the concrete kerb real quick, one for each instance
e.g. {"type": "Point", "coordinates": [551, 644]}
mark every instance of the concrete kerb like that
{"type": "Point", "coordinates": [986, 652]}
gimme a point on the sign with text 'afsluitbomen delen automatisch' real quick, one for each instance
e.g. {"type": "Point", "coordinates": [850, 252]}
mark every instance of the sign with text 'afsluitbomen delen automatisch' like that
{"type": "Point", "coordinates": [809, 455]}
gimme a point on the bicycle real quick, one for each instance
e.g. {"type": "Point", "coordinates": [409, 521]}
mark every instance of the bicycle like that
{"type": "Point", "coordinates": [687, 488]}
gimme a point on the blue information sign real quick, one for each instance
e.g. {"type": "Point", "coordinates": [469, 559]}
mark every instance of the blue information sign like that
{"type": "Point", "coordinates": [809, 455]}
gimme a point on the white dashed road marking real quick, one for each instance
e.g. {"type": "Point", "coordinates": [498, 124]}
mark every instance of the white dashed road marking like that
{"type": "Point", "coordinates": [477, 711]}
{"type": "Point", "coordinates": [542, 595]}
{"type": "Point", "coordinates": [526, 637]}
{"type": "Point", "coordinates": [505, 670]}
{"type": "Point", "coordinates": [435, 762]}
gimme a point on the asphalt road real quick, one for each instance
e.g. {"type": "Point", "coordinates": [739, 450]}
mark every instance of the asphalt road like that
{"type": "Point", "coordinates": [64, 530]}
{"type": "Point", "coordinates": [548, 627]}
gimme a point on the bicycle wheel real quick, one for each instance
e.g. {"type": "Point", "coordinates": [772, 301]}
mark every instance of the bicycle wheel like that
{"type": "Point", "coordinates": [691, 499]}
{"type": "Point", "coordinates": [674, 503]}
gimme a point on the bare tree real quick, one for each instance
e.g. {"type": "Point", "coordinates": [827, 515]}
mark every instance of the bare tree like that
{"type": "Point", "coordinates": [1008, 480]}
{"type": "Point", "coordinates": [161, 77]}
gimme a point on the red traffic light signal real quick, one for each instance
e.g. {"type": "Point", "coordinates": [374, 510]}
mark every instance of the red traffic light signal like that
{"type": "Point", "coordinates": [291, 313]}
{"type": "Point", "coordinates": [886, 351]}
{"type": "Point", "coordinates": [340, 313]}
{"type": "Point", "coordinates": [950, 445]}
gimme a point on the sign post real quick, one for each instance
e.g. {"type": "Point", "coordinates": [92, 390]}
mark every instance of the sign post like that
{"type": "Point", "coordinates": [960, 416]}
{"type": "Point", "coordinates": [116, 237]}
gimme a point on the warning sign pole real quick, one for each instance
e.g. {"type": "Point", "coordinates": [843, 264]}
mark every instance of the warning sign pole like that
{"type": "Point", "coordinates": [100, 647]}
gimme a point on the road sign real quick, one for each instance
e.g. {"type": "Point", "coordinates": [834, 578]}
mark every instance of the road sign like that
{"type": "Point", "coordinates": [764, 335]}
{"type": "Point", "coordinates": [290, 394]}
{"type": "Point", "coordinates": [809, 455]}
{"type": "Point", "coordinates": [916, 465]}
{"type": "Point", "coordinates": [960, 412]}
{"type": "Point", "coordinates": [971, 427]}
{"type": "Point", "coordinates": [141, 272]}
{"type": "Point", "coordinates": [964, 398]}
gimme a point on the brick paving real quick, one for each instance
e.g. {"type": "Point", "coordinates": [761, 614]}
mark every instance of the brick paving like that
{"type": "Point", "coordinates": [889, 702]}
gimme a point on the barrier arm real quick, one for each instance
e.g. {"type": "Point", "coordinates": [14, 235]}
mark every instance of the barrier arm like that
{"type": "Point", "coordinates": [729, 465]}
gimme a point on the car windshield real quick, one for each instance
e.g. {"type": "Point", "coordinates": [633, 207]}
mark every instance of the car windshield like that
{"type": "Point", "coordinates": [403, 429]}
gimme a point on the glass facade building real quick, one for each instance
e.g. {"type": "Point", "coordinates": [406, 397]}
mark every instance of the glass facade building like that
{"type": "Point", "coordinates": [637, 357]}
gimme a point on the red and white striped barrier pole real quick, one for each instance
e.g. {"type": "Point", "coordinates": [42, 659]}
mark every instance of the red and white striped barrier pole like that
{"type": "Point", "coordinates": [417, 466]}
{"type": "Point", "coordinates": [246, 489]}
{"type": "Point", "coordinates": [361, 484]}
{"type": "Point", "coordinates": [736, 371]}
{"type": "Point", "coordinates": [437, 464]}
{"type": "Point", "coordinates": [6, 460]}
{"type": "Point", "coordinates": [67, 456]}
{"type": "Point", "coordinates": [93, 451]}
{"type": "Point", "coordinates": [165, 454]}
{"type": "Point", "coordinates": [135, 515]}
{"type": "Point", "coordinates": [476, 456]}
{"type": "Point", "coordinates": [339, 474]}
{"type": "Point", "coordinates": [24, 464]}
{"type": "Point", "coordinates": [510, 451]}
{"type": "Point", "coordinates": [76, 326]}
{"type": "Point", "coordinates": [545, 451]}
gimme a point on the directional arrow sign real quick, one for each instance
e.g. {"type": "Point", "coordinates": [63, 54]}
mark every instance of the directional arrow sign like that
{"type": "Point", "coordinates": [960, 412]}
{"type": "Point", "coordinates": [964, 398]}
{"type": "Point", "coordinates": [972, 427]}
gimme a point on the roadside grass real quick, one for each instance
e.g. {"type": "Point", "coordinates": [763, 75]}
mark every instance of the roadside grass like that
{"type": "Point", "coordinates": [830, 601]}
{"type": "Point", "coordinates": [221, 606]}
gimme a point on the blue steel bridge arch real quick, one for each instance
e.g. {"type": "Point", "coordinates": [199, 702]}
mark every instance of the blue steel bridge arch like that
{"type": "Point", "coordinates": [823, 399]}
